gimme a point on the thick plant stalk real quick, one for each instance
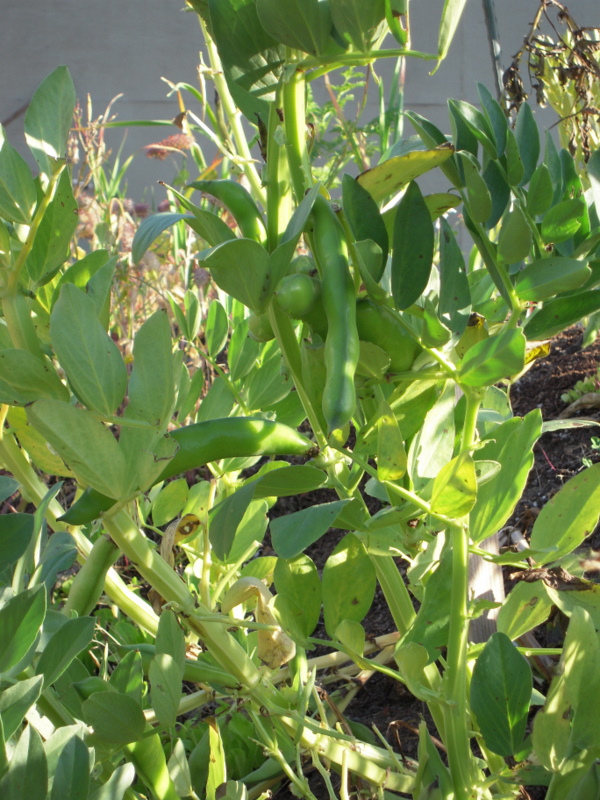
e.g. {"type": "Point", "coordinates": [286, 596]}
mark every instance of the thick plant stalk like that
{"type": "Point", "coordinates": [294, 100]}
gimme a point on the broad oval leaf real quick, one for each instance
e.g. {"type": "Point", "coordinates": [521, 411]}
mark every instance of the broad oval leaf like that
{"type": "Point", "coordinates": [298, 579]}
{"type": "Point", "coordinates": [549, 276]}
{"type": "Point", "coordinates": [18, 196]}
{"type": "Point", "coordinates": [49, 117]}
{"type": "Point", "coordinates": [21, 618]}
{"type": "Point", "coordinates": [241, 268]}
{"type": "Point", "coordinates": [500, 695]}
{"type": "Point", "coordinates": [568, 517]}
{"type": "Point", "coordinates": [560, 313]}
{"type": "Point", "coordinates": [301, 24]}
{"type": "Point", "coordinates": [150, 229]}
{"type": "Point", "coordinates": [348, 583]}
{"type": "Point", "coordinates": [357, 21]}
{"type": "Point", "coordinates": [455, 487]}
{"type": "Point", "coordinates": [16, 531]}
{"type": "Point", "coordinates": [84, 443]}
{"type": "Point", "coordinates": [64, 645]}
{"type": "Point", "coordinates": [25, 378]}
{"type": "Point", "coordinates": [165, 678]}
{"type": "Point", "coordinates": [88, 355]}
{"type": "Point", "coordinates": [562, 221]}
{"type": "Point", "coordinates": [72, 775]}
{"type": "Point", "coordinates": [293, 533]}
{"type": "Point", "coordinates": [27, 776]}
{"type": "Point", "coordinates": [116, 718]}
{"type": "Point", "coordinates": [493, 359]}
{"type": "Point", "coordinates": [515, 239]}
{"type": "Point", "coordinates": [413, 248]}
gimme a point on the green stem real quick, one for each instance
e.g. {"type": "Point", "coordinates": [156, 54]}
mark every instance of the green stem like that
{"type": "Point", "coordinates": [288, 344]}
{"type": "Point", "coordinates": [460, 758]}
{"type": "Point", "coordinates": [278, 202]}
{"type": "Point", "coordinates": [14, 460]}
{"type": "Point", "coordinates": [233, 116]}
{"type": "Point", "coordinates": [294, 101]}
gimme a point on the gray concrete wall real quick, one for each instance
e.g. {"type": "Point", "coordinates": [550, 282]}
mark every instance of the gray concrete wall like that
{"type": "Point", "coordinates": [126, 46]}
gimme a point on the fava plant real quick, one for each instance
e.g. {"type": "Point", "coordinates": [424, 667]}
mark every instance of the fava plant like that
{"type": "Point", "coordinates": [396, 360]}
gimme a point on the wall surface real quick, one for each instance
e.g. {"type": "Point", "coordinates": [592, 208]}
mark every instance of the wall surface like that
{"type": "Point", "coordinates": [126, 46]}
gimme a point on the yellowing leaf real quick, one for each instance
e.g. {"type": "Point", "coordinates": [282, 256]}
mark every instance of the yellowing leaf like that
{"type": "Point", "coordinates": [455, 488]}
{"type": "Point", "coordinates": [390, 176]}
{"type": "Point", "coordinates": [391, 455]}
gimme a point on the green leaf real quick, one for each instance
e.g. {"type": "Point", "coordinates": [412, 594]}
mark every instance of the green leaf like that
{"type": "Point", "coordinates": [53, 237]}
{"type": "Point", "coordinates": [500, 695]}
{"type": "Point", "coordinates": [225, 518]}
{"type": "Point", "coordinates": [118, 783]}
{"type": "Point", "coordinates": [352, 635]}
{"type": "Point", "coordinates": [391, 455]}
{"type": "Point", "coordinates": [293, 533]}
{"type": "Point", "coordinates": [63, 646]}
{"type": "Point", "coordinates": [430, 627]}
{"type": "Point", "coordinates": [581, 654]}
{"type": "Point", "coordinates": [150, 229]}
{"type": "Point", "coordinates": [495, 116]}
{"type": "Point", "coordinates": [477, 123]}
{"type": "Point", "coordinates": [8, 486]}
{"type": "Point", "coordinates": [493, 359]}
{"type": "Point", "coordinates": [560, 313]}
{"type": "Point", "coordinates": [479, 198]}
{"type": "Point", "coordinates": [527, 606]}
{"type": "Point", "coordinates": [455, 295]}
{"type": "Point", "coordinates": [25, 378]}
{"type": "Point", "coordinates": [170, 638]}
{"type": "Point", "coordinates": [499, 191]}
{"type": "Point", "coordinates": [72, 776]}
{"type": "Point", "coordinates": [365, 220]}
{"type": "Point", "coordinates": [116, 718]}
{"type": "Point", "coordinates": [216, 329]}
{"type": "Point", "coordinates": [540, 192]}
{"type": "Point", "coordinates": [528, 140]}
{"type": "Point", "coordinates": [241, 268]}
{"type": "Point", "coordinates": [15, 702]}
{"type": "Point", "coordinates": [455, 487]}
{"type": "Point", "coordinates": [568, 517]}
{"type": "Point", "coordinates": [165, 679]}
{"type": "Point", "coordinates": [433, 445]}
{"type": "Point", "coordinates": [451, 15]}
{"type": "Point", "coordinates": [543, 279]}
{"type": "Point", "coordinates": [433, 137]}
{"type": "Point", "coordinates": [151, 394]}
{"type": "Point", "coordinates": [413, 248]}
{"type": "Point", "coordinates": [562, 221]}
{"type": "Point", "coordinates": [85, 444]}
{"type": "Point", "coordinates": [390, 176]}
{"type": "Point", "coordinates": [348, 583]}
{"type": "Point", "coordinates": [356, 21]}
{"type": "Point", "coordinates": [58, 555]}
{"type": "Point", "coordinates": [18, 196]}
{"type": "Point", "coordinates": [88, 355]}
{"type": "Point", "coordinates": [27, 775]}
{"type": "Point", "coordinates": [301, 24]}
{"type": "Point", "coordinates": [35, 445]}
{"type": "Point", "coordinates": [128, 675]}
{"type": "Point", "coordinates": [16, 532]}
{"type": "Point", "coordinates": [49, 117]}
{"type": "Point", "coordinates": [289, 480]}
{"type": "Point", "coordinates": [515, 239]}
{"type": "Point", "coordinates": [217, 772]}
{"type": "Point", "coordinates": [511, 445]}
{"type": "Point", "coordinates": [21, 618]}
{"type": "Point", "coordinates": [514, 163]}
{"type": "Point", "coordinates": [169, 503]}
{"type": "Point", "coordinates": [251, 58]}
{"type": "Point", "coordinates": [298, 579]}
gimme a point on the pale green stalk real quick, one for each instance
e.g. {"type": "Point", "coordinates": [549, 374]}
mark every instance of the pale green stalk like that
{"type": "Point", "coordinates": [233, 116]}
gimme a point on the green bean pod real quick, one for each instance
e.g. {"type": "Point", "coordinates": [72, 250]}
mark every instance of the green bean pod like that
{"type": "Point", "coordinates": [337, 290]}
{"type": "Point", "coordinates": [377, 325]}
{"type": "Point", "coordinates": [202, 443]}
{"type": "Point", "coordinates": [88, 584]}
{"type": "Point", "coordinates": [299, 295]}
{"type": "Point", "coordinates": [239, 202]}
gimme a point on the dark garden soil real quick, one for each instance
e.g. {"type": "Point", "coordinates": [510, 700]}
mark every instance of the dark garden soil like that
{"type": "Point", "coordinates": [558, 456]}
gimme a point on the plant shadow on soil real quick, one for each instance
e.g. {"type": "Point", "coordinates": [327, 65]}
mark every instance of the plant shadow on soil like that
{"type": "Point", "coordinates": [385, 703]}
